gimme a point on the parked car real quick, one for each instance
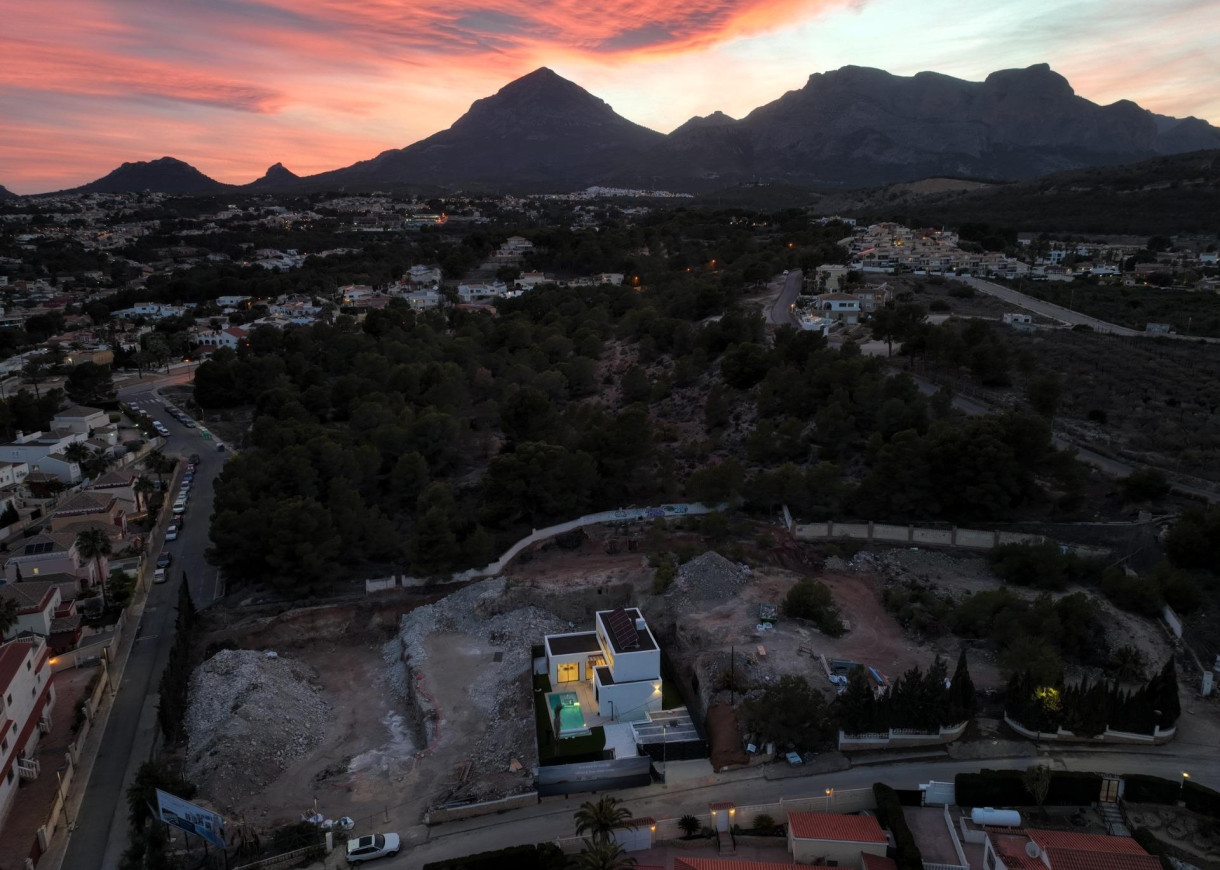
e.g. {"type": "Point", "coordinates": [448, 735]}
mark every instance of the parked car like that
{"type": "Point", "coordinates": [179, 508]}
{"type": "Point", "coordinates": [171, 531]}
{"type": "Point", "coordinates": [190, 424]}
{"type": "Point", "coordinates": [164, 560]}
{"type": "Point", "coordinates": [195, 459]}
{"type": "Point", "coordinates": [220, 448]}
{"type": "Point", "coordinates": [159, 576]}
{"type": "Point", "coordinates": [372, 846]}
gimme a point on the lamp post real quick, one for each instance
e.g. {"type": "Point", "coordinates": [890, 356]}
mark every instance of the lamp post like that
{"type": "Point", "coordinates": [1182, 788]}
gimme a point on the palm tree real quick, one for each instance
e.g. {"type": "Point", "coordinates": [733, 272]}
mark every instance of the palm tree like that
{"type": "Point", "coordinates": [143, 487]}
{"type": "Point", "coordinates": [77, 451]}
{"type": "Point", "coordinates": [602, 818]}
{"type": "Point", "coordinates": [34, 370]}
{"type": "Point", "coordinates": [603, 855]}
{"type": "Point", "coordinates": [98, 462]}
{"type": "Point", "coordinates": [8, 615]}
{"type": "Point", "coordinates": [158, 463]}
{"type": "Point", "coordinates": [95, 544]}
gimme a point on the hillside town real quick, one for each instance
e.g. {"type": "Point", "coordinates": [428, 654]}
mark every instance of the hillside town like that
{"type": "Point", "coordinates": [530, 531]}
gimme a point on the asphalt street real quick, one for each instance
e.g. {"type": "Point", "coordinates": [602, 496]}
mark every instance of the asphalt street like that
{"type": "Point", "coordinates": [550, 820]}
{"type": "Point", "coordinates": [780, 314]}
{"type": "Point", "coordinates": [100, 834]}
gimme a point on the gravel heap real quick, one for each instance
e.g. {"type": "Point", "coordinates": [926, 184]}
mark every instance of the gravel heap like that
{"type": "Point", "coordinates": [500, 689]}
{"type": "Point", "coordinates": [710, 577]}
{"type": "Point", "coordinates": [250, 717]}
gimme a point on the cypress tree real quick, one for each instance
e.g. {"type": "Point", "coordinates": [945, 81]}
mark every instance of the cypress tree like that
{"type": "Point", "coordinates": [961, 692]}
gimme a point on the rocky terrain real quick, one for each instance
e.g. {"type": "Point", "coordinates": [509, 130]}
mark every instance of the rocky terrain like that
{"type": "Point", "coordinates": [251, 716]}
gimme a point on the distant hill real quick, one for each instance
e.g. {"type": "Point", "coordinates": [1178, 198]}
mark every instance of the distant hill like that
{"type": "Point", "coordinates": [164, 175]}
{"type": "Point", "coordinates": [276, 178]}
{"type": "Point", "coordinates": [1178, 194]}
{"type": "Point", "coordinates": [540, 131]}
{"type": "Point", "coordinates": [5, 193]}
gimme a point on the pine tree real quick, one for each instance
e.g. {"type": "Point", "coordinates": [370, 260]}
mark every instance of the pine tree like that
{"type": "Point", "coordinates": [1166, 698]}
{"type": "Point", "coordinates": [962, 697]}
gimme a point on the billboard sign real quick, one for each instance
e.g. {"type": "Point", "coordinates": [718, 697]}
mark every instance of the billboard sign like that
{"type": "Point", "coordinates": [185, 816]}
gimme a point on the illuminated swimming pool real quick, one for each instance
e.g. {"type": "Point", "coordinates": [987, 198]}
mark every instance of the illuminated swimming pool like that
{"type": "Point", "coordinates": [566, 707]}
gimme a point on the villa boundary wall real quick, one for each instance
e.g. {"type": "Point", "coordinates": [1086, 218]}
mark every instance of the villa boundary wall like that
{"type": "Point", "coordinates": [1157, 738]}
{"type": "Point", "coordinates": [900, 738]}
{"type": "Point", "coordinates": [971, 539]}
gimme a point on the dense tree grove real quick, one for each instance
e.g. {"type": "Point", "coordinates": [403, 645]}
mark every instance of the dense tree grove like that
{"type": "Point", "coordinates": [426, 441]}
{"type": "Point", "coordinates": [918, 700]}
{"type": "Point", "coordinates": [1088, 708]}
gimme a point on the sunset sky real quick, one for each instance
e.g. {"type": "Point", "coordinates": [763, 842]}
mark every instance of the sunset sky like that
{"type": "Point", "coordinates": [232, 86]}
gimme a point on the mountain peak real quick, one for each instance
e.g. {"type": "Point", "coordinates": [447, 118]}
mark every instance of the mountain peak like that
{"type": "Point", "coordinates": [5, 193]}
{"type": "Point", "coordinates": [1038, 81]}
{"type": "Point", "coordinates": [163, 175]}
{"type": "Point", "coordinates": [276, 176]}
{"type": "Point", "coordinates": [703, 122]}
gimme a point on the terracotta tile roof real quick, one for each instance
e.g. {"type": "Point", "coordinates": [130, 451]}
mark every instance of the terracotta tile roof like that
{"type": "Point", "coordinates": [722, 805]}
{"type": "Point", "coordinates": [12, 655]}
{"type": "Point", "coordinates": [1086, 842]}
{"type": "Point", "coordinates": [733, 864]}
{"type": "Point", "coordinates": [833, 826]}
{"type": "Point", "coordinates": [1070, 859]}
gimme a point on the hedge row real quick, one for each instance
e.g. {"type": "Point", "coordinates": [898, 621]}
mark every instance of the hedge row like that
{"type": "Point", "coordinates": [1004, 788]}
{"type": "Point", "coordinates": [890, 815]}
{"type": "Point", "coordinates": [1141, 789]}
{"type": "Point", "coordinates": [543, 856]}
{"type": "Point", "coordinates": [1153, 846]}
{"type": "Point", "coordinates": [1198, 798]}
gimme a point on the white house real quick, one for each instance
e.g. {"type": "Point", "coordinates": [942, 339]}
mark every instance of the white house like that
{"type": "Point", "coordinates": [27, 695]}
{"type": "Point", "coordinates": [43, 451]}
{"type": "Point", "coordinates": [80, 419]}
{"type": "Point", "coordinates": [839, 306]}
{"type": "Point", "coordinates": [153, 310]}
{"type": "Point", "coordinates": [231, 301]}
{"type": "Point", "coordinates": [615, 670]}
{"type": "Point", "coordinates": [13, 473]}
{"type": "Point", "coordinates": [479, 292]}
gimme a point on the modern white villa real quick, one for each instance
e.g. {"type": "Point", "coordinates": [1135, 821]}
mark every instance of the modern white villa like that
{"type": "Point", "coordinates": [610, 674]}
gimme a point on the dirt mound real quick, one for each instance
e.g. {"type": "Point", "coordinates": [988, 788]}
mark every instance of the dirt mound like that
{"type": "Point", "coordinates": [250, 717]}
{"type": "Point", "coordinates": [710, 577]}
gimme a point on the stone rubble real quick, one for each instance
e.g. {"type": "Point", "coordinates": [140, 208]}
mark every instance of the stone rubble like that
{"type": "Point", "coordinates": [250, 717]}
{"type": "Point", "coordinates": [710, 577]}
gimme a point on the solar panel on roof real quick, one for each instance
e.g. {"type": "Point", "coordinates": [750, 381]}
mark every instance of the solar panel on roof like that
{"type": "Point", "coordinates": [39, 548]}
{"type": "Point", "coordinates": [623, 628]}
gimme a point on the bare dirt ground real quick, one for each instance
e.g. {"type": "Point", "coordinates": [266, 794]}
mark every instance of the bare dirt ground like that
{"type": "Point", "coordinates": [1194, 838]}
{"type": "Point", "coordinates": [366, 750]}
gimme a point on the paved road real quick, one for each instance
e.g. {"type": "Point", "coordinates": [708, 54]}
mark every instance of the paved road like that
{"type": "Point", "coordinates": [780, 313]}
{"type": "Point", "coordinates": [100, 835]}
{"type": "Point", "coordinates": [554, 819]}
{"type": "Point", "coordinates": [1046, 309]}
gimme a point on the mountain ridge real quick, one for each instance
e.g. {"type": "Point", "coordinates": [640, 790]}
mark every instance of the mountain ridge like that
{"type": "Point", "coordinates": [851, 127]}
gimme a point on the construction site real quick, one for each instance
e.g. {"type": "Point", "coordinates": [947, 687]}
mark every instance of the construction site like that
{"type": "Point", "coordinates": [408, 701]}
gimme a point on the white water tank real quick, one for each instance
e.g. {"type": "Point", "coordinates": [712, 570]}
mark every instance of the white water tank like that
{"type": "Point", "coordinates": [996, 818]}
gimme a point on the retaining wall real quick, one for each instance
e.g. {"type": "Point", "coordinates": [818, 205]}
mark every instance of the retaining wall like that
{"type": "Point", "coordinates": [440, 815]}
{"type": "Point", "coordinates": [900, 738]}
{"type": "Point", "coordinates": [1157, 738]}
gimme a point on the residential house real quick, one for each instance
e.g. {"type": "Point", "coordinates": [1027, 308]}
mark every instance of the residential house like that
{"type": "Point", "coordinates": [231, 301]}
{"type": "Point", "coordinates": [814, 322]}
{"type": "Point", "coordinates": [480, 292]}
{"type": "Point", "coordinates": [27, 695]}
{"type": "Point", "coordinates": [89, 508]}
{"type": "Point", "coordinates": [119, 483]}
{"type": "Point", "coordinates": [43, 609]}
{"type": "Point", "coordinates": [81, 420]}
{"type": "Point", "coordinates": [1016, 849]}
{"type": "Point", "coordinates": [43, 451]}
{"type": "Point", "coordinates": [420, 300]}
{"type": "Point", "coordinates": [614, 670]}
{"type": "Point", "coordinates": [231, 337]}
{"type": "Point", "coordinates": [842, 307]}
{"type": "Point", "coordinates": [420, 277]}
{"type": "Point", "coordinates": [834, 838]}
{"type": "Point", "coordinates": [13, 474]}
{"type": "Point", "coordinates": [150, 310]}
{"type": "Point", "coordinates": [51, 553]}
{"type": "Point", "coordinates": [871, 298]}
{"type": "Point", "coordinates": [531, 280]}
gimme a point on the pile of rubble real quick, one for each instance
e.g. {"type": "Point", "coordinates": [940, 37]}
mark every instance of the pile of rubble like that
{"type": "Point", "coordinates": [710, 577]}
{"type": "Point", "coordinates": [252, 714]}
{"type": "Point", "coordinates": [500, 687]}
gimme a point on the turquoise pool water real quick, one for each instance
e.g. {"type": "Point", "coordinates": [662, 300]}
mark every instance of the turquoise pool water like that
{"type": "Point", "coordinates": [571, 719]}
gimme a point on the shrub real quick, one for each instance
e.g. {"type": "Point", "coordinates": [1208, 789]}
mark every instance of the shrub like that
{"type": "Point", "coordinates": [992, 788]}
{"type": "Point", "coordinates": [939, 305]}
{"type": "Point", "coordinates": [890, 815]}
{"type": "Point", "coordinates": [811, 599]}
{"type": "Point", "coordinates": [543, 856]}
{"type": "Point", "coordinates": [689, 825]}
{"type": "Point", "coordinates": [1139, 788]}
{"type": "Point", "coordinates": [764, 824]}
{"type": "Point", "coordinates": [1146, 484]}
{"type": "Point", "coordinates": [1201, 799]}
{"type": "Point", "coordinates": [1152, 846]}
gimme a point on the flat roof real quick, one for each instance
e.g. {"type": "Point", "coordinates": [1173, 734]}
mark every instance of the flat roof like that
{"type": "Point", "coordinates": [624, 637]}
{"type": "Point", "coordinates": [604, 676]}
{"type": "Point", "coordinates": [570, 644]}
